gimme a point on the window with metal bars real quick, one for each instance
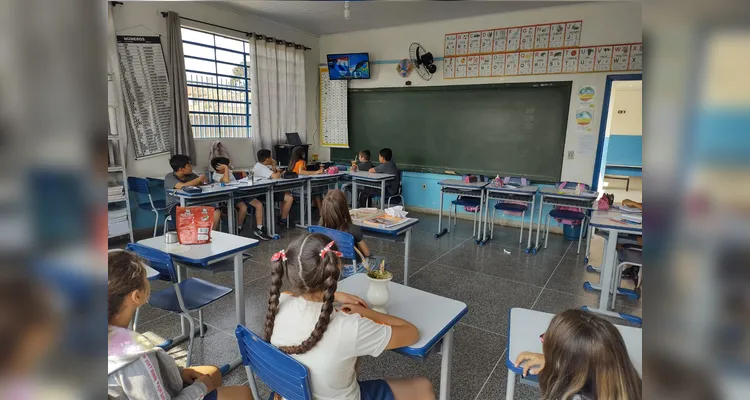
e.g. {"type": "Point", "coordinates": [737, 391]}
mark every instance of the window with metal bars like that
{"type": "Point", "coordinates": [218, 84]}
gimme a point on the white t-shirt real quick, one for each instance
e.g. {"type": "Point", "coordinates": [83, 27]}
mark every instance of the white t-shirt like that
{"type": "Point", "coordinates": [217, 176]}
{"type": "Point", "coordinates": [262, 171]}
{"type": "Point", "coordinates": [331, 361]}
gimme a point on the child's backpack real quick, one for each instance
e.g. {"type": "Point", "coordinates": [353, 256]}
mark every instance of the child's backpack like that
{"type": "Point", "coordinates": [570, 185]}
{"type": "Point", "coordinates": [218, 150]}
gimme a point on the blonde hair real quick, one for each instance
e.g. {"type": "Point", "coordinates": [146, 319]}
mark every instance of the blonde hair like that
{"type": "Point", "coordinates": [585, 355]}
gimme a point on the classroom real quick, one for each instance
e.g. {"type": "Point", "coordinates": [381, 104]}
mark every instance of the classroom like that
{"type": "Point", "coordinates": [458, 183]}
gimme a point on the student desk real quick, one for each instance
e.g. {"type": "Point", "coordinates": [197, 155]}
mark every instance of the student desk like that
{"type": "Point", "coordinates": [524, 328]}
{"type": "Point", "coordinates": [459, 187]}
{"type": "Point", "coordinates": [562, 197]}
{"type": "Point", "coordinates": [526, 194]}
{"type": "Point", "coordinates": [283, 185]}
{"type": "Point", "coordinates": [222, 247]}
{"type": "Point", "coordinates": [315, 181]}
{"type": "Point", "coordinates": [433, 315]}
{"type": "Point", "coordinates": [209, 195]}
{"type": "Point", "coordinates": [369, 179]}
{"type": "Point", "coordinates": [603, 220]}
{"type": "Point", "coordinates": [393, 233]}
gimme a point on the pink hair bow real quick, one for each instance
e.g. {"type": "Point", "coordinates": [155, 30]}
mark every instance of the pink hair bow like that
{"type": "Point", "coordinates": [326, 249]}
{"type": "Point", "coordinates": [279, 255]}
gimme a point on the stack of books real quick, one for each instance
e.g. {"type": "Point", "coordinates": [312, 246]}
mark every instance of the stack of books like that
{"type": "Point", "coordinates": [115, 191]}
{"type": "Point", "coordinates": [117, 221]}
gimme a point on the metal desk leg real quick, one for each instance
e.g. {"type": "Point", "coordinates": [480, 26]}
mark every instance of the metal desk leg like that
{"type": "Point", "coordinates": [309, 202]}
{"type": "Point", "coordinates": [538, 224]}
{"type": "Point", "coordinates": [354, 194]}
{"type": "Point", "coordinates": [251, 382]}
{"type": "Point", "coordinates": [485, 208]}
{"type": "Point", "coordinates": [239, 299]}
{"type": "Point", "coordinates": [511, 384]}
{"type": "Point", "coordinates": [445, 366]}
{"type": "Point", "coordinates": [230, 216]}
{"type": "Point", "coordinates": [441, 231]}
{"type": "Point", "coordinates": [271, 214]}
{"type": "Point", "coordinates": [407, 246]}
{"type": "Point", "coordinates": [531, 223]}
{"type": "Point", "coordinates": [382, 194]}
{"type": "Point", "coordinates": [302, 207]}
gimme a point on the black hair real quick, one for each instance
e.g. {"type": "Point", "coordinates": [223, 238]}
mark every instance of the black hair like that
{"type": "Point", "coordinates": [263, 155]}
{"type": "Point", "coordinates": [365, 154]}
{"type": "Point", "coordinates": [298, 153]}
{"type": "Point", "coordinates": [179, 161]}
{"type": "Point", "coordinates": [387, 154]}
{"type": "Point", "coordinates": [307, 272]}
{"type": "Point", "coordinates": [219, 160]}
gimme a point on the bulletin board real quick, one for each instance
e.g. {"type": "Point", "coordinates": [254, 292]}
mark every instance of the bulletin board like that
{"type": "Point", "coordinates": [533, 50]}
{"type": "Point", "coordinates": [334, 128]}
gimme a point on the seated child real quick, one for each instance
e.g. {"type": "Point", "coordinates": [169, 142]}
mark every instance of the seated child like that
{"type": "Point", "coordinates": [297, 164]}
{"type": "Point", "coordinates": [386, 166]}
{"type": "Point", "coordinates": [364, 163]}
{"type": "Point", "coordinates": [335, 215]}
{"type": "Point", "coordinates": [224, 174]}
{"type": "Point", "coordinates": [327, 341]}
{"type": "Point", "coordinates": [584, 358]}
{"type": "Point", "coordinates": [183, 176]}
{"type": "Point", "coordinates": [266, 168]}
{"type": "Point", "coordinates": [136, 368]}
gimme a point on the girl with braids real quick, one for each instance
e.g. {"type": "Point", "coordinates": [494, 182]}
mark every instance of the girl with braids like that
{"type": "Point", "coordinates": [136, 368]}
{"type": "Point", "coordinates": [584, 359]}
{"type": "Point", "coordinates": [304, 324]}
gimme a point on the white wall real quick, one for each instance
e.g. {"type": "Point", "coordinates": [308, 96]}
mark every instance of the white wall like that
{"type": "Point", "coordinates": [631, 122]}
{"type": "Point", "coordinates": [603, 23]}
{"type": "Point", "coordinates": [136, 17]}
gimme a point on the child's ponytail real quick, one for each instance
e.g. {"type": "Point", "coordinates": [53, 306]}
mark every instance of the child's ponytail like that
{"type": "Point", "coordinates": [277, 274]}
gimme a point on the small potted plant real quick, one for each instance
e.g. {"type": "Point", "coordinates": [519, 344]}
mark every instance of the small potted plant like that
{"type": "Point", "coordinates": [378, 294]}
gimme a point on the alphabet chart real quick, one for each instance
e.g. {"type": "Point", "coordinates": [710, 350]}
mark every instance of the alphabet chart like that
{"type": "Point", "coordinates": [334, 125]}
{"type": "Point", "coordinates": [552, 48]}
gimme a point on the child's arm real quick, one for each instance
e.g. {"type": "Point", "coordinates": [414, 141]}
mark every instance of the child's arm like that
{"type": "Point", "coordinates": [225, 176]}
{"type": "Point", "coordinates": [403, 333]}
{"type": "Point", "coordinates": [362, 246]}
{"type": "Point", "coordinates": [195, 182]}
{"type": "Point", "coordinates": [306, 172]}
{"type": "Point", "coordinates": [532, 362]}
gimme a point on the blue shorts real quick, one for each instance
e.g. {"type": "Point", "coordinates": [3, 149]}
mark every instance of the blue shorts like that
{"type": "Point", "coordinates": [375, 390]}
{"type": "Point", "coordinates": [211, 396]}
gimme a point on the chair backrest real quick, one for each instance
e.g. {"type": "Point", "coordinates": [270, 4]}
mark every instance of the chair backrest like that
{"type": "Point", "coordinates": [517, 180]}
{"type": "Point", "coordinates": [344, 240]}
{"type": "Point", "coordinates": [138, 185]}
{"type": "Point", "coordinates": [156, 259]}
{"type": "Point", "coordinates": [572, 185]}
{"type": "Point", "coordinates": [282, 373]}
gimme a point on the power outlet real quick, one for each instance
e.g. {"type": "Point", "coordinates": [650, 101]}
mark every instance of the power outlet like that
{"type": "Point", "coordinates": [571, 155]}
{"type": "Point", "coordinates": [424, 187]}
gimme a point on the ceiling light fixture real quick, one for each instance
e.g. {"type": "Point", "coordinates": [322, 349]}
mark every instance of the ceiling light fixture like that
{"type": "Point", "coordinates": [346, 10]}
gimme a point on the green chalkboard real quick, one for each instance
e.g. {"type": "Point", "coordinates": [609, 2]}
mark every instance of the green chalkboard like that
{"type": "Point", "coordinates": [506, 129]}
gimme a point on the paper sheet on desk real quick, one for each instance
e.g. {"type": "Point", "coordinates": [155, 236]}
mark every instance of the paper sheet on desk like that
{"type": "Point", "coordinates": [628, 209]}
{"type": "Point", "coordinates": [396, 211]}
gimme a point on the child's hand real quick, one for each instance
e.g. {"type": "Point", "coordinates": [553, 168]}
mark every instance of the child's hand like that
{"type": "Point", "coordinates": [346, 298]}
{"type": "Point", "coordinates": [204, 178]}
{"type": "Point", "coordinates": [190, 375]}
{"type": "Point", "coordinates": [354, 309]}
{"type": "Point", "coordinates": [206, 380]}
{"type": "Point", "coordinates": [530, 360]}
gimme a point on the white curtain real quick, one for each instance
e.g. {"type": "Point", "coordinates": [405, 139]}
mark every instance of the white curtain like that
{"type": "Point", "coordinates": [277, 85]}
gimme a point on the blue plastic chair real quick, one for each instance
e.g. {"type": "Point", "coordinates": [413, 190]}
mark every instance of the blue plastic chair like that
{"type": "Point", "coordinates": [141, 187]}
{"type": "Point", "coordinates": [568, 215]}
{"type": "Point", "coordinates": [279, 371]}
{"type": "Point", "coordinates": [344, 242]}
{"type": "Point", "coordinates": [183, 297]}
{"type": "Point", "coordinates": [511, 207]}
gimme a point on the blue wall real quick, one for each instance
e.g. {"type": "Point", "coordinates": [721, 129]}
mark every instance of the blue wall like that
{"type": "Point", "coordinates": [624, 150]}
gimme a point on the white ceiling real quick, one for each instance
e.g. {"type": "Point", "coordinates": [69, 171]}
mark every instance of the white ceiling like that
{"type": "Point", "coordinates": [327, 17]}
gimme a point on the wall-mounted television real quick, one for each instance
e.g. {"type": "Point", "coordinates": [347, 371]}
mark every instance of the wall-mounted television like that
{"type": "Point", "coordinates": [349, 66]}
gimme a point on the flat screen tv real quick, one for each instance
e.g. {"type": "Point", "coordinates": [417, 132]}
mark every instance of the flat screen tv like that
{"type": "Point", "coordinates": [349, 66]}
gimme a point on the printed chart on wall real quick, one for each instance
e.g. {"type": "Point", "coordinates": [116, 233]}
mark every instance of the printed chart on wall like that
{"type": "Point", "coordinates": [334, 125]}
{"type": "Point", "coordinates": [533, 50]}
{"type": "Point", "coordinates": [146, 91]}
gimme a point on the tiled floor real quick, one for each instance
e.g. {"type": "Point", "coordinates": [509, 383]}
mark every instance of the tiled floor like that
{"type": "Point", "coordinates": [488, 279]}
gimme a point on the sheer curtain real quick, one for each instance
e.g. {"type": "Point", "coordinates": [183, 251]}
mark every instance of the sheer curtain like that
{"type": "Point", "coordinates": [277, 85]}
